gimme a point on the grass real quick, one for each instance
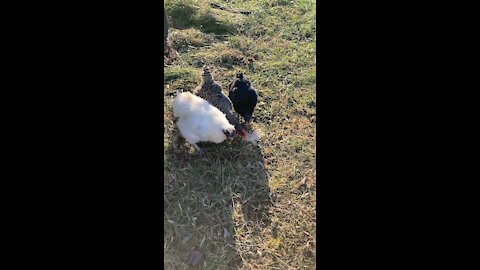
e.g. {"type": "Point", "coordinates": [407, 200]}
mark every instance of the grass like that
{"type": "Point", "coordinates": [244, 206]}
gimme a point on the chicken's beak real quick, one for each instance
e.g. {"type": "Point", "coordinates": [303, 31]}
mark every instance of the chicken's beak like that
{"type": "Point", "coordinates": [230, 135]}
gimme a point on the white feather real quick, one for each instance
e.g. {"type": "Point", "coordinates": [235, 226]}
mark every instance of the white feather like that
{"type": "Point", "coordinates": [198, 120]}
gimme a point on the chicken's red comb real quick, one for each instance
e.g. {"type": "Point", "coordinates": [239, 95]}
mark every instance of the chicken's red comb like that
{"type": "Point", "coordinates": [244, 134]}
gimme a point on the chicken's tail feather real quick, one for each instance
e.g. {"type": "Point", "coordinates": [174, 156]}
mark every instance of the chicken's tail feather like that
{"type": "Point", "coordinates": [182, 104]}
{"type": "Point", "coordinates": [206, 75]}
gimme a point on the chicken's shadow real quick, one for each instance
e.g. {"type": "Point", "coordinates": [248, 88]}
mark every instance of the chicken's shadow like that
{"type": "Point", "coordinates": [224, 188]}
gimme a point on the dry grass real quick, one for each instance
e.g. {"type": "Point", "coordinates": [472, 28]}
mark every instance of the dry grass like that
{"type": "Point", "coordinates": [245, 206]}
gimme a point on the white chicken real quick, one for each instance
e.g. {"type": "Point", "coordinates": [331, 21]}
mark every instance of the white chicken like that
{"type": "Point", "coordinates": [199, 121]}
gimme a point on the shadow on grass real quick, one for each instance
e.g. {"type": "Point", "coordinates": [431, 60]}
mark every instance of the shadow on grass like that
{"type": "Point", "coordinates": [209, 197]}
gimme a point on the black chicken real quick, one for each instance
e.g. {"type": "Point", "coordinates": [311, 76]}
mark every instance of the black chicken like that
{"type": "Point", "coordinates": [243, 97]}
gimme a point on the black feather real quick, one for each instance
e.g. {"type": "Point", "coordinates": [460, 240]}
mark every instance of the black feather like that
{"type": "Point", "coordinates": [243, 96]}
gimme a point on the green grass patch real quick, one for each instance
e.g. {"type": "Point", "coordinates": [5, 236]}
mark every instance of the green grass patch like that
{"type": "Point", "coordinates": [196, 14]}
